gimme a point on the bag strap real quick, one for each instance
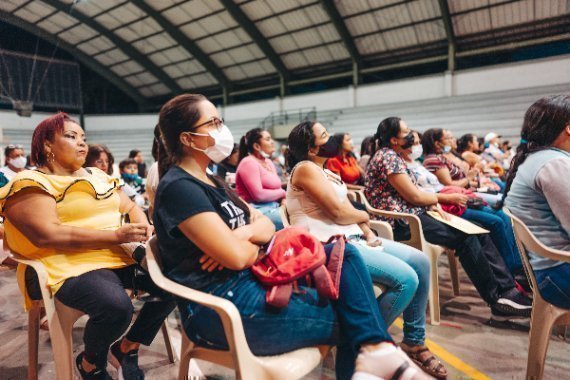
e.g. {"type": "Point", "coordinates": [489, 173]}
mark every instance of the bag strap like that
{"type": "Point", "coordinates": [279, 295]}
{"type": "Point", "coordinates": [336, 259]}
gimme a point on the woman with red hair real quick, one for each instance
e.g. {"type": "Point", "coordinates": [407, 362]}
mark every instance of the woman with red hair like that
{"type": "Point", "coordinates": [69, 218]}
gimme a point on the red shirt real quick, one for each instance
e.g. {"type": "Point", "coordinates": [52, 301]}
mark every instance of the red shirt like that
{"type": "Point", "coordinates": [346, 168]}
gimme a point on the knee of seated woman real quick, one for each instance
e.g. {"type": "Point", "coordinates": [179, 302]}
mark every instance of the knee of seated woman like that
{"type": "Point", "coordinates": [117, 308]}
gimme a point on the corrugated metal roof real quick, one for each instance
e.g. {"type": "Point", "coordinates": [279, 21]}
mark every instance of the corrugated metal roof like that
{"type": "Point", "coordinates": [298, 35]}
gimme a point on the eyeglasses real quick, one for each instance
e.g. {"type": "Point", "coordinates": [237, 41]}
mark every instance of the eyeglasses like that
{"type": "Point", "coordinates": [215, 122]}
{"type": "Point", "coordinates": [15, 146]}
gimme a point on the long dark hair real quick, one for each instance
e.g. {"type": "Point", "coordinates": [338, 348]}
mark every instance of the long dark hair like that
{"type": "Point", "coordinates": [300, 140]}
{"type": "Point", "coordinates": [179, 115]}
{"type": "Point", "coordinates": [93, 154]}
{"type": "Point", "coordinates": [339, 137]}
{"type": "Point", "coordinates": [388, 128]}
{"type": "Point", "coordinates": [543, 123]}
{"type": "Point", "coordinates": [367, 145]}
{"type": "Point", "coordinates": [247, 141]}
{"type": "Point", "coordinates": [430, 137]}
{"type": "Point", "coordinates": [464, 141]}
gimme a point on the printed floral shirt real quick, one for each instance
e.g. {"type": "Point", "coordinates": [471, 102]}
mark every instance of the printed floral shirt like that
{"type": "Point", "coordinates": [379, 192]}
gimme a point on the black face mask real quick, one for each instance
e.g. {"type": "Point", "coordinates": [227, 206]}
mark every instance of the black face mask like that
{"type": "Point", "coordinates": [409, 141]}
{"type": "Point", "coordinates": [328, 150]}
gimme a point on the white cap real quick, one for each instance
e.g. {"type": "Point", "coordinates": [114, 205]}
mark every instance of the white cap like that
{"type": "Point", "coordinates": [490, 136]}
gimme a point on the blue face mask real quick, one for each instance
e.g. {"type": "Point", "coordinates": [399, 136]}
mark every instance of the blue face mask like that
{"type": "Point", "coordinates": [129, 177]}
{"type": "Point", "coordinates": [446, 148]}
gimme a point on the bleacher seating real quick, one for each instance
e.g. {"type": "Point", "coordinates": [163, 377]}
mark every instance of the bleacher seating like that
{"type": "Point", "coordinates": [502, 112]}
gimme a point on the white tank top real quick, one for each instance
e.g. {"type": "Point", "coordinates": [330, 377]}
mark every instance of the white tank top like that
{"type": "Point", "coordinates": [305, 212]}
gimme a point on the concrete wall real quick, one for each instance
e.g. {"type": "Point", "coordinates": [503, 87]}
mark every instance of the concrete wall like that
{"type": "Point", "coordinates": [115, 130]}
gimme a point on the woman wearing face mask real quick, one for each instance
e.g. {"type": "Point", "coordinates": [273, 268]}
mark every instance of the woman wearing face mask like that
{"type": "Point", "coordinates": [436, 144]}
{"type": "Point", "coordinates": [192, 206]}
{"type": "Point", "coordinates": [317, 200]}
{"type": "Point", "coordinates": [257, 181]}
{"type": "Point", "coordinates": [344, 162]}
{"type": "Point", "coordinates": [15, 161]}
{"type": "Point", "coordinates": [391, 186]}
{"type": "Point", "coordinates": [496, 221]}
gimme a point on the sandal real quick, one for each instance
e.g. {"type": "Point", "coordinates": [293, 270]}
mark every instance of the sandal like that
{"type": "Point", "coordinates": [429, 364]}
{"type": "Point", "coordinates": [43, 320]}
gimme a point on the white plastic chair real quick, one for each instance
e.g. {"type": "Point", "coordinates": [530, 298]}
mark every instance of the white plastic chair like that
{"type": "Point", "coordinates": [291, 365]}
{"type": "Point", "coordinates": [61, 319]}
{"type": "Point", "coordinates": [544, 315]}
{"type": "Point", "coordinates": [418, 241]}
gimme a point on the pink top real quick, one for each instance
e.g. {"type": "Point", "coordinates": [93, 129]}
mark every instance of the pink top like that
{"type": "Point", "coordinates": [257, 182]}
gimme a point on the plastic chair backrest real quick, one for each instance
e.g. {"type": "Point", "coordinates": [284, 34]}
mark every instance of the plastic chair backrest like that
{"type": "Point", "coordinates": [284, 216]}
{"type": "Point", "coordinates": [526, 242]}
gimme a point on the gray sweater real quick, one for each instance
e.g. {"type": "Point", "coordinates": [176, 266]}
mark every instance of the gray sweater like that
{"type": "Point", "coordinates": [540, 197]}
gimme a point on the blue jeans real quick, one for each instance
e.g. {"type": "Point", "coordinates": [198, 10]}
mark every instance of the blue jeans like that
{"type": "Point", "coordinates": [499, 182]}
{"type": "Point", "coordinates": [501, 231]}
{"type": "Point", "coordinates": [270, 210]}
{"type": "Point", "coordinates": [308, 320]}
{"type": "Point", "coordinates": [405, 271]}
{"type": "Point", "coordinates": [554, 284]}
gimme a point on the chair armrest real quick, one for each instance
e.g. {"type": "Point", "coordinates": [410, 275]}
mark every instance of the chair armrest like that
{"type": "Point", "coordinates": [40, 271]}
{"type": "Point", "coordinates": [416, 234]}
{"type": "Point", "coordinates": [227, 311]}
{"type": "Point", "coordinates": [382, 229]}
{"type": "Point", "coordinates": [531, 243]}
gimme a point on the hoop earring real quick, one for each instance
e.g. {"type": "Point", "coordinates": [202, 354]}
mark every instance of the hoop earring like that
{"type": "Point", "coordinates": [50, 157]}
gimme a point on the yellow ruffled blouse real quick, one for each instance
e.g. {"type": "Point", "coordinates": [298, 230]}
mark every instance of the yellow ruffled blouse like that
{"type": "Point", "coordinates": [90, 202]}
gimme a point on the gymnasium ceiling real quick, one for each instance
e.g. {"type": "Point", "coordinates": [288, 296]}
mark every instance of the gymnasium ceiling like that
{"type": "Point", "coordinates": [152, 49]}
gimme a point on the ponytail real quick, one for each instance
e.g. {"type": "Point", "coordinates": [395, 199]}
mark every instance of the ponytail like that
{"type": "Point", "coordinates": [247, 141]}
{"type": "Point", "coordinates": [543, 123]}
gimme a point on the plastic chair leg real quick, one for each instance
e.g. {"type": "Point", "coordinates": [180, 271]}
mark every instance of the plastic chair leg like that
{"type": "Point", "coordinates": [33, 341]}
{"type": "Point", "coordinates": [540, 329]}
{"type": "Point", "coordinates": [453, 271]}
{"type": "Point", "coordinates": [433, 294]}
{"type": "Point", "coordinates": [185, 356]}
{"type": "Point", "coordinates": [168, 342]}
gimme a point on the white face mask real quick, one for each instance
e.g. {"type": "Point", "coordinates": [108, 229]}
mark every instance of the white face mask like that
{"type": "Point", "coordinates": [417, 151]}
{"type": "Point", "coordinates": [223, 144]}
{"type": "Point", "coordinates": [446, 148]}
{"type": "Point", "coordinates": [18, 162]}
{"type": "Point", "coordinates": [264, 155]}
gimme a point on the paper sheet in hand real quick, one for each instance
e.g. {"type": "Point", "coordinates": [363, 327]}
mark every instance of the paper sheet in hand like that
{"type": "Point", "coordinates": [459, 224]}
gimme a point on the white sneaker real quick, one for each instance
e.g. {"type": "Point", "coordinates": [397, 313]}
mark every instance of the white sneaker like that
{"type": "Point", "coordinates": [387, 363]}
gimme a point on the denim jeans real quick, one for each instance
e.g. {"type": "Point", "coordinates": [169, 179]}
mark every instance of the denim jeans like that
{"type": "Point", "coordinates": [308, 320]}
{"type": "Point", "coordinates": [501, 231]}
{"type": "Point", "coordinates": [554, 284]}
{"type": "Point", "coordinates": [405, 271]}
{"type": "Point", "coordinates": [270, 210]}
{"type": "Point", "coordinates": [478, 255]}
{"type": "Point", "coordinates": [500, 183]}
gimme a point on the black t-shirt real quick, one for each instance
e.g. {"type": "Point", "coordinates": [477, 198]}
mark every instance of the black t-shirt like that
{"type": "Point", "coordinates": [178, 197]}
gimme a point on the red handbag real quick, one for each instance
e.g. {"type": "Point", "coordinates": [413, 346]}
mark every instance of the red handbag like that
{"type": "Point", "coordinates": [295, 254]}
